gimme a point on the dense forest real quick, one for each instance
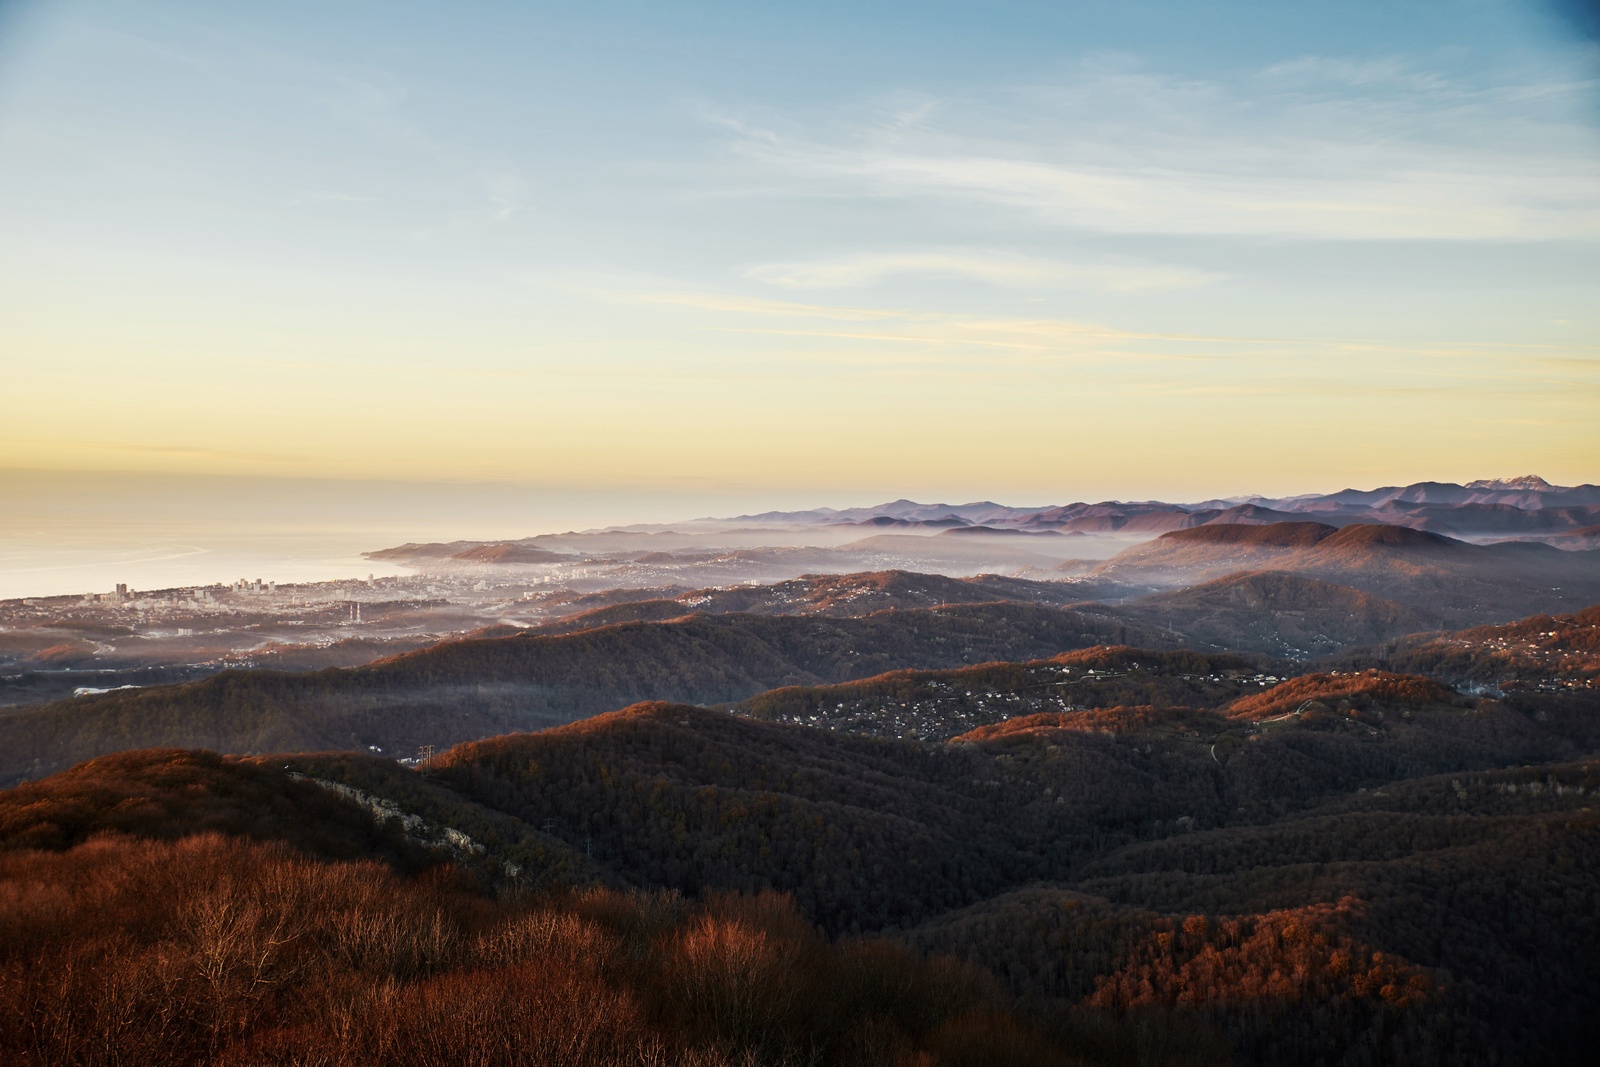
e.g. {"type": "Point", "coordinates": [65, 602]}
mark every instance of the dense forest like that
{"type": "Point", "coordinates": [938, 705]}
{"type": "Point", "coordinates": [1544, 652]}
{"type": "Point", "coordinates": [176, 907]}
{"type": "Point", "coordinates": [475, 688]}
{"type": "Point", "coordinates": [1276, 613]}
{"type": "Point", "coordinates": [1452, 582]}
{"type": "Point", "coordinates": [794, 637]}
{"type": "Point", "coordinates": [836, 595]}
{"type": "Point", "coordinates": [216, 950]}
{"type": "Point", "coordinates": [1114, 855]}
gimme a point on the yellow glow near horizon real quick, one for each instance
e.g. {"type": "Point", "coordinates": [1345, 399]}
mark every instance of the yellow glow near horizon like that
{"type": "Point", "coordinates": [714, 391]}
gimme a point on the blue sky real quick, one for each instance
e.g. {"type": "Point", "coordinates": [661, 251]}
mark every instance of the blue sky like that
{"type": "Point", "coordinates": [952, 249]}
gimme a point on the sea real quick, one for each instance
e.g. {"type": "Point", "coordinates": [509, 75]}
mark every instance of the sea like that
{"type": "Point", "coordinates": [70, 533]}
{"type": "Point", "coordinates": [45, 561]}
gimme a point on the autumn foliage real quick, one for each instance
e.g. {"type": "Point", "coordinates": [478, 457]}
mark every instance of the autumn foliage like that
{"type": "Point", "coordinates": [211, 949]}
{"type": "Point", "coordinates": [1369, 690]}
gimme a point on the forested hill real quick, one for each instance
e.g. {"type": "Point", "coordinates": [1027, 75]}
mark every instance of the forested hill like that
{"type": "Point", "coordinates": [1444, 579]}
{"type": "Point", "coordinates": [1335, 869]}
{"type": "Point", "coordinates": [1330, 887]}
{"type": "Point", "coordinates": [170, 907]}
{"type": "Point", "coordinates": [1276, 613]}
{"type": "Point", "coordinates": [939, 705]}
{"type": "Point", "coordinates": [1272, 612]}
{"type": "Point", "coordinates": [477, 688]}
{"type": "Point", "coordinates": [835, 595]}
{"type": "Point", "coordinates": [1100, 854]}
{"type": "Point", "coordinates": [671, 794]}
{"type": "Point", "coordinates": [1541, 653]}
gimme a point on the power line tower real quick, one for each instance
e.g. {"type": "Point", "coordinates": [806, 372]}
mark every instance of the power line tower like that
{"type": "Point", "coordinates": [424, 755]}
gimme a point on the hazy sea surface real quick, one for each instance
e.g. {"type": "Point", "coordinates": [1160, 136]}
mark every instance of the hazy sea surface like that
{"type": "Point", "coordinates": [46, 561]}
{"type": "Point", "coordinates": [65, 532]}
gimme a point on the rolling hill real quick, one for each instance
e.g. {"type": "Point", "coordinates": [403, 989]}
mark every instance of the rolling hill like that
{"type": "Point", "coordinates": [509, 552]}
{"type": "Point", "coordinates": [1454, 891]}
{"type": "Point", "coordinates": [476, 688]}
{"type": "Point", "coordinates": [1544, 653]}
{"type": "Point", "coordinates": [1275, 612]}
{"type": "Point", "coordinates": [833, 595]}
{"type": "Point", "coordinates": [224, 912]}
{"type": "Point", "coordinates": [1111, 855]}
{"type": "Point", "coordinates": [1272, 612]}
{"type": "Point", "coordinates": [941, 705]}
{"type": "Point", "coordinates": [1200, 850]}
{"type": "Point", "coordinates": [1451, 581]}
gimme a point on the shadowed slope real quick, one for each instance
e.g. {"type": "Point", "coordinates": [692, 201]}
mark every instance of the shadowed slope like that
{"type": "Point", "coordinates": [939, 705]}
{"type": "Point", "coordinates": [167, 794]}
{"type": "Point", "coordinates": [1163, 860]}
{"type": "Point", "coordinates": [1428, 573]}
{"type": "Point", "coordinates": [1472, 894]}
{"type": "Point", "coordinates": [1276, 613]}
{"type": "Point", "coordinates": [476, 688]}
{"type": "Point", "coordinates": [1544, 652]}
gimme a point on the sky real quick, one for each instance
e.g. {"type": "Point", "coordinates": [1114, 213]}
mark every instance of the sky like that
{"type": "Point", "coordinates": [803, 254]}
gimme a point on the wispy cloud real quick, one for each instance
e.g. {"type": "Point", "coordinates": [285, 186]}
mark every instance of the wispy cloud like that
{"type": "Point", "coordinates": [993, 268]}
{"type": "Point", "coordinates": [756, 306]}
{"type": "Point", "coordinates": [373, 102]}
{"type": "Point", "coordinates": [328, 196]}
{"type": "Point", "coordinates": [1320, 148]}
{"type": "Point", "coordinates": [194, 451]}
{"type": "Point", "coordinates": [505, 195]}
{"type": "Point", "coordinates": [903, 336]}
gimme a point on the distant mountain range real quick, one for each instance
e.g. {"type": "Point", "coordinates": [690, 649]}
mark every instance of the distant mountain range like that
{"type": "Point", "coordinates": [987, 536]}
{"type": "Point", "coordinates": [1525, 507]}
{"type": "Point", "coordinates": [1447, 579]}
{"type": "Point", "coordinates": [1292, 589]}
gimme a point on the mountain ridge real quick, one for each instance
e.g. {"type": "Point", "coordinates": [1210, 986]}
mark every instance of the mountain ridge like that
{"type": "Point", "coordinates": [1524, 493]}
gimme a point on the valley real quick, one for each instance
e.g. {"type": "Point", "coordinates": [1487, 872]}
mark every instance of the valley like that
{"type": "Point", "coordinates": [1295, 577]}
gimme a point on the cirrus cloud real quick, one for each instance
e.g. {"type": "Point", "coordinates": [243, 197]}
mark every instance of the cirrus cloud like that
{"type": "Point", "coordinates": [1317, 148]}
{"type": "Point", "coordinates": [1014, 271]}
